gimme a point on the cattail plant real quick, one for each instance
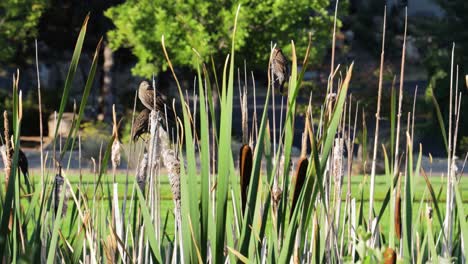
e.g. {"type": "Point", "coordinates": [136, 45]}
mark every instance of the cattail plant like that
{"type": "Point", "coordinates": [141, 172]}
{"type": "Point", "coordinates": [59, 191]}
{"type": "Point", "coordinates": [268, 217]}
{"type": "Point", "coordinates": [245, 169]}
{"type": "Point", "coordinates": [390, 256]}
{"type": "Point", "coordinates": [245, 153]}
{"type": "Point", "coordinates": [377, 120]}
{"type": "Point", "coordinates": [303, 163]}
{"type": "Point", "coordinates": [398, 210]}
{"type": "Point", "coordinates": [172, 164]}
{"type": "Point", "coordinates": [299, 180]}
{"type": "Point", "coordinates": [110, 247]}
{"type": "Point", "coordinates": [115, 152]}
{"type": "Point", "coordinates": [6, 155]}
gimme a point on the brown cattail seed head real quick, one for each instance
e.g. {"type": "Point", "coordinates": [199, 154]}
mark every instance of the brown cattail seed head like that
{"type": "Point", "coordinates": [115, 153]}
{"type": "Point", "coordinates": [398, 210]}
{"type": "Point", "coordinates": [390, 256]}
{"type": "Point", "coordinates": [299, 179]}
{"type": "Point", "coordinates": [245, 169]}
{"type": "Point", "coordinates": [141, 174]}
{"type": "Point", "coordinates": [338, 161]}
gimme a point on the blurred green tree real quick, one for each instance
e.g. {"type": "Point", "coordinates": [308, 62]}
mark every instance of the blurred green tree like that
{"type": "Point", "coordinates": [18, 25]}
{"type": "Point", "coordinates": [206, 26]}
{"type": "Point", "coordinates": [437, 35]}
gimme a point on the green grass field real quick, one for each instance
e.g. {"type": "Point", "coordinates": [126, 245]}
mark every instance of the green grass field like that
{"type": "Point", "coordinates": [358, 183]}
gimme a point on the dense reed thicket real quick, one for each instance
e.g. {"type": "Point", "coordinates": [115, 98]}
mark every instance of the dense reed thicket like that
{"type": "Point", "coordinates": [270, 210]}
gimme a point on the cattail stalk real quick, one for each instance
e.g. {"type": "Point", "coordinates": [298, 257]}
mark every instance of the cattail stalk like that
{"type": "Point", "coordinates": [398, 210]}
{"type": "Point", "coordinates": [377, 118]}
{"type": "Point", "coordinates": [447, 246]}
{"type": "Point", "coordinates": [172, 164]}
{"type": "Point", "coordinates": [115, 151]}
{"type": "Point", "coordinates": [400, 99]}
{"type": "Point", "coordinates": [153, 165]}
{"type": "Point", "coordinates": [6, 157]}
{"type": "Point", "coordinates": [115, 158]}
{"type": "Point", "coordinates": [40, 117]}
{"type": "Point", "coordinates": [338, 175]}
{"type": "Point", "coordinates": [277, 192]}
{"type": "Point", "coordinates": [141, 172]}
{"type": "Point", "coordinates": [59, 188]}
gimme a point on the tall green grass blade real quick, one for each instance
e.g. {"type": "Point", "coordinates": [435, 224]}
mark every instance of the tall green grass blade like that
{"type": "Point", "coordinates": [78, 246]}
{"type": "Point", "coordinates": [224, 155]}
{"type": "Point", "coordinates": [204, 165]}
{"type": "Point", "coordinates": [104, 163]}
{"type": "Point", "coordinates": [84, 100]}
{"type": "Point", "coordinates": [435, 202]}
{"type": "Point", "coordinates": [211, 101]}
{"type": "Point", "coordinates": [71, 74]}
{"type": "Point", "coordinates": [430, 242]}
{"type": "Point", "coordinates": [254, 183]}
{"type": "Point", "coordinates": [392, 125]}
{"type": "Point", "coordinates": [188, 183]}
{"type": "Point", "coordinates": [440, 119]}
{"type": "Point", "coordinates": [54, 238]}
{"type": "Point", "coordinates": [389, 174]}
{"type": "Point", "coordinates": [364, 141]}
{"type": "Point", "coordinates": [11, 201]}
{"type": "Point", "coordinates": [408, 205]}
{"type": "Point", "coordinates": [288, 134]}
{"type": "Point", "coordinates": [335, 119]}
{"type": "Point", "coordinates": [149, 226]}
{"type": "Point", "coordinates": [462, 221]}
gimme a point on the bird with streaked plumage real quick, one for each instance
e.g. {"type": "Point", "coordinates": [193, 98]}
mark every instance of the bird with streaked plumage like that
{"type": "Point", "coordinates": [22, 162]}
{"type": "Point", "coordinates": [279, 68]}
{"type": "Point", "coordinates": [147, 95]}
{"type": "Point", "coordinates": [140, 126]}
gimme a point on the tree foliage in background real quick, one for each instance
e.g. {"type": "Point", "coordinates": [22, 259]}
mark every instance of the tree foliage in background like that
{"type": "Point", "coordinates": [206, 26]}
{"type": "Point", "coordinates": [18, 25]}
{"type": "Point", "coordinates": [436, 37]}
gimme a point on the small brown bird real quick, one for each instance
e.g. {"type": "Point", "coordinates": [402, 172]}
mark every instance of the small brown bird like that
{"type": "Point", "coordinates": [22, 164]}
{"type": "Point", "coordinates": [279, 67]}
{"type": "Point", "coordinates": [22, 160]}
{"type": "Point", "coordinates": [140, 126]}
{"type": "Point", "coordinates": [147, 93]}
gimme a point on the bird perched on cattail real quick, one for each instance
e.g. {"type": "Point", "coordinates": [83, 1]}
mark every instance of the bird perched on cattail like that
{"type": "Point", "coordinates": [22, 160]}
{"type": "Point", "coordinates": [22, 163]}
{"type": "Point", "coordinates": [147, 94]}
{"type": "Point", "coordinates": [279, 68]}
{"type": "Point", "coordinates": [140, 126]}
